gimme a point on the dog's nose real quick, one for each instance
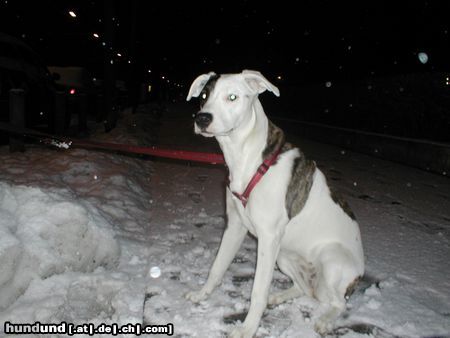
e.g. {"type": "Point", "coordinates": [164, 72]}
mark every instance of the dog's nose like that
{"type": "Point", "coordinates": [203, 120]}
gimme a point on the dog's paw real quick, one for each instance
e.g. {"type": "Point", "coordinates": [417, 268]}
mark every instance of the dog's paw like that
{"type": "Point", "coordinates": [196, 296]}
{"type": "Point", "coordinates": [241, 332]}
{"type": "Point", "coordinates": [274, 300]}
{"type": "Point", "coordinates": [324, 325]}
{"type": "Point", "coordinates": [278, 298]}
{"type": "Point", "coordinates": [283, 296]}
{"type": "Point", "coordinates": [327, 321]}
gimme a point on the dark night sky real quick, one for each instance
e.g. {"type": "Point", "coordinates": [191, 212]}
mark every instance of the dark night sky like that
{"type": "Point", "coordinates": [316, 41]}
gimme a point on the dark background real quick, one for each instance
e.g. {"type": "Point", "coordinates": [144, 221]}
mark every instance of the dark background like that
{"type": "Point", "coordinates": [353, 64]}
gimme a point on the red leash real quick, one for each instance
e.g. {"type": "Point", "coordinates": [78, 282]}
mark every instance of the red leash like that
{"type": "Point", "coordinates": [210, 158]}
{"type": "Point", "coordinates": [66, 143]}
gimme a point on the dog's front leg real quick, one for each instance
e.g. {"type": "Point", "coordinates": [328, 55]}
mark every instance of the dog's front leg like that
{"type": "Point", "coordinates": [268, 248]}
{"type": "Point", "coordinates": [231, 242]}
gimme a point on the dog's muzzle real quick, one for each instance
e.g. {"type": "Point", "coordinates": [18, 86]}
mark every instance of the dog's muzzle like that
{"type": "Point", "coordinates": [203, 120]}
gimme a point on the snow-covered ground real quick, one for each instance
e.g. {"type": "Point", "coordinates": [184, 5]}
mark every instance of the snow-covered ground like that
{"type": "Point", "coordinates": [80, 231]}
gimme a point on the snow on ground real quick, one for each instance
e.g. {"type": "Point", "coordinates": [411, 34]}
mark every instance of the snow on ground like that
{"type": "Point", "coordinates": [80, 231]}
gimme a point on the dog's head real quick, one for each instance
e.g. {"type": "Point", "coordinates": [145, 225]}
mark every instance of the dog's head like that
{"type": "Point", "coordinates": [226, 100]}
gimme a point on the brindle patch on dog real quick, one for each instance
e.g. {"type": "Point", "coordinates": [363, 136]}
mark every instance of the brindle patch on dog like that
{"type": "Point", "coordinates": [300, 185]}
{"type": "Point", "coordinates": [337, 198]}
{"type": "Point", "coordinates": [302, 174]}
{"type": "Point", "coordinates": [351, 288]}
{"type": "Point", "coordinates": [302, 170]}
{"type": "Point", "coordinates": [275, 140]}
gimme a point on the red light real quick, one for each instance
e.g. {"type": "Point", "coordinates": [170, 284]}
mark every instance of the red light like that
{"type": "Point", "coordinates": [72, 91]}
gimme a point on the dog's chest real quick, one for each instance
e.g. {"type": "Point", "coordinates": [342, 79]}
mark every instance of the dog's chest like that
{"type": "Point", "coordinates": [266, 206]}
{"type": "Point", "coordinates": [249, 225]}
{"type": "Point", "coordinates": [242, 212]}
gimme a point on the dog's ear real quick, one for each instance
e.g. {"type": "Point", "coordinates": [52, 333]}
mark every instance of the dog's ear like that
{"type": "Point", "coordinates": [257, 82]}
{"type": "Point", "coordinates": [198, 84]}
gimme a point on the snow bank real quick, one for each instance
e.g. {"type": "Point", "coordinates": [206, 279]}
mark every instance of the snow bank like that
{"type": "Point", "coordinates": [46, 232]}
{"type": "Point", "coordinates": [74, 297]}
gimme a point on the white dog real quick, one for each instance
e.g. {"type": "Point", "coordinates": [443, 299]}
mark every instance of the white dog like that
{"type": "Point", "coordinates": [280, 197]}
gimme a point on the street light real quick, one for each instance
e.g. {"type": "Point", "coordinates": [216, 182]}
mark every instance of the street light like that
{"type": "Point", "coordinates": [72, 14]}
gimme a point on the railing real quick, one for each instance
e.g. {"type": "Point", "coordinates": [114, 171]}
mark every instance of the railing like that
{"type": "Point", "coordinates": [427, 155]}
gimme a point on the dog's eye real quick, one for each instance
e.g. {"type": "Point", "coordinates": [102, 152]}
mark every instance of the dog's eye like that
{"type": "Point", "coordinates": [204, 95]}
{"type": "Point", "coordinates": [232, 97]}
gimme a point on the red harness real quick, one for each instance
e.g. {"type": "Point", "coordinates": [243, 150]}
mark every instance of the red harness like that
{"type": "Point", "coordinates": [260, 172]}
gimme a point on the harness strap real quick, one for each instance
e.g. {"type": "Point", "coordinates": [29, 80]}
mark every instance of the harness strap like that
{"type": "Point", "coordinates": [260, 172]}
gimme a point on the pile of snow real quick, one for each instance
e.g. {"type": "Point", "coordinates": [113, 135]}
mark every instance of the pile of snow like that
{"type": "Point", "coordinates": [44, 233]}
{"type": "Point", "coordinates": [69, 224]}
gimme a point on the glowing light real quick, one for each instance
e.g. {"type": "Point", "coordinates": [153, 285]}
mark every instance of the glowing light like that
{"type": "Point", "coordinates": [149, 88]}
{"type": "Point", "coordinates": [72, 91]}
{"type": "Point", "coordinates": [155, 272]}
{"type": "Point", "coordinates": [279, 77]}
{"type": "Point", "coordinates": [423, 57]}
{"type": "Point", "coordinates": [96, 35]}
{"type": "Point", "coordinates": [149, 71]}
{"type": "Point", "coordinates": [119, 55]}
{"type": "Point", "coordinates": [328, 84]}
{"type": "Point", "coordinates": [72, 14]}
